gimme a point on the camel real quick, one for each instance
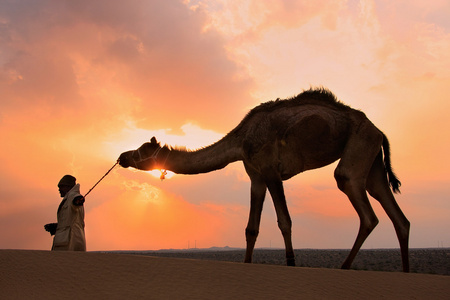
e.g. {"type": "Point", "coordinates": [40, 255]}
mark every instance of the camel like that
{"type": "Point", "coordinates": [279, 139]}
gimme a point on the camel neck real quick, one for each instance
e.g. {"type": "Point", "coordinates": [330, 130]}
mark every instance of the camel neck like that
{"type": "Point", "coordinates": [204, 160]}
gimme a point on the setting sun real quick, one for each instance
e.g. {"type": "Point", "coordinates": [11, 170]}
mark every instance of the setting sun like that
{"type": "Point", "coordinates": [161, 174]}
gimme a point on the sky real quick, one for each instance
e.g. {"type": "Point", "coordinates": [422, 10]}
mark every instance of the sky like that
{"type": "Point", "coordinates": [83, 81]}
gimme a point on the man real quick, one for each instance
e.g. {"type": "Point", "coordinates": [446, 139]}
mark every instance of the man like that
{"type": "Point", "coordinates": [69, 231]}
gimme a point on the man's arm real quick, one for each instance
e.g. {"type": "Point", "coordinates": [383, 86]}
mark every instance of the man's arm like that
{"type": "Point", "coordinates": [79, 200]}
{"type": "Point", "coordinates": [51, 227]}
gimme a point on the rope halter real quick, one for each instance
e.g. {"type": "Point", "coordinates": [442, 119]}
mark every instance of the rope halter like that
{"type": "Point", "coordinates": [153, 157]}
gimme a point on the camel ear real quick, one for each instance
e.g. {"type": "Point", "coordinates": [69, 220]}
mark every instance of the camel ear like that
{"type": "Point", "coordinates": [153, 140]}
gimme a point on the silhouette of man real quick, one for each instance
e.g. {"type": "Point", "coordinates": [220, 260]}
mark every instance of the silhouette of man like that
{"type": "Point", "coordinates": [69, 231]}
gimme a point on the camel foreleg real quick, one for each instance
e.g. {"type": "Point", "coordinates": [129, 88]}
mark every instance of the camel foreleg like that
{"type": "Point", "coordinates": [284, 220]}
{"type": "Point", "coordinates": [258, 192]}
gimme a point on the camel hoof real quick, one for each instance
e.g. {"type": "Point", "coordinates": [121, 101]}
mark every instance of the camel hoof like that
{"type": "Point", "coordinates": [290, 262]}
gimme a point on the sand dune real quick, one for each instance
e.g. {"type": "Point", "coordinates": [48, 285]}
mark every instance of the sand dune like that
{"type": "Point", "coordinates": [32, 274]}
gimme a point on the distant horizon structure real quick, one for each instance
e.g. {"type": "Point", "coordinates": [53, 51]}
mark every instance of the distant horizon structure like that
{"type": "Point", "coordinates": [195, 244]}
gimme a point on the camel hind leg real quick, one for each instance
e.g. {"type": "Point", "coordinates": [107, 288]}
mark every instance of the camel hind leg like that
{"type": "Point", "coordinates": [354, 190]}
{"type": "Point", "coordinates": [351, 175]}
{"type": "Point", "coordinates": [378, 188]}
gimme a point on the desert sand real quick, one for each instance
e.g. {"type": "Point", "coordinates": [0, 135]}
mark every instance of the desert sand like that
{"type": "Point", "coordinates": [36, 274]}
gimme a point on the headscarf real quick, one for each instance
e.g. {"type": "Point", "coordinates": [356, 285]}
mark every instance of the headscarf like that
{"type": "Point", "coordinates": [67, 180]}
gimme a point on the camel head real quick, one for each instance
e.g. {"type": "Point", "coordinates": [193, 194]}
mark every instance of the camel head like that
{"type": "Point", "coordinates": [143, 158]}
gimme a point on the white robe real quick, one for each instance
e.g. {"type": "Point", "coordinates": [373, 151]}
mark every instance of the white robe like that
{"type": "Point", "coordinates": [70, 230]}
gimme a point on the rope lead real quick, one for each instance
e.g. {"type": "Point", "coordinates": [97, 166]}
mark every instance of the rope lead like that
{"type": "Point", "coordinates": [101, 178]}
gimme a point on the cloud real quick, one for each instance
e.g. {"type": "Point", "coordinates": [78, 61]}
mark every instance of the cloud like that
{"type": "Point", "coordinates": [141, 60]}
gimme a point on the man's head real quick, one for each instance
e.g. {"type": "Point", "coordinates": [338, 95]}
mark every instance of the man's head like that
{"type": "Point", "coordinates": [66, 184]}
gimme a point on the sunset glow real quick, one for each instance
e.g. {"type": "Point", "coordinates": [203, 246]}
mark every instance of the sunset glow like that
{"type": "Point", "coordinates": [83, 81]}
{"type": "Point", "coordinates": [162, 174]}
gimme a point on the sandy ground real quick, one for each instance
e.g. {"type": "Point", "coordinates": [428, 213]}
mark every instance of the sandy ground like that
{"type": "Point", "coordinates": [32, 274]}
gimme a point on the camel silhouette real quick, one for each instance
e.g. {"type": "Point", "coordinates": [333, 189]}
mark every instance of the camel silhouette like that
{"type": "Point", "coordinates": [279, 139]}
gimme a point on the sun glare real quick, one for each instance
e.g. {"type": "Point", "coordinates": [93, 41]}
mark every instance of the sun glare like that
{"type": "Point", "coordinates": [157, 174]}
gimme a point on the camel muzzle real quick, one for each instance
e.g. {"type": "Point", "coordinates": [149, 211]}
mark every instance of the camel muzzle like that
{"type": "Point", "coordinates": [125, 159]}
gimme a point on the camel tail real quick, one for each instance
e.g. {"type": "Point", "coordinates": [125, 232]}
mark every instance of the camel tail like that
{"type": "Point", "coordinates": [393, 180]}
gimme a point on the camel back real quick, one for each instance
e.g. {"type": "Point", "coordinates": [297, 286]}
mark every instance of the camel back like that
{"type": "Point", "coordinates": [320, 96]}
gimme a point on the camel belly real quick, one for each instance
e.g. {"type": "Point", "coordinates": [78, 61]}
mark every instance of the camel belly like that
{"type": "Point", "coordinates": [312, 142]}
